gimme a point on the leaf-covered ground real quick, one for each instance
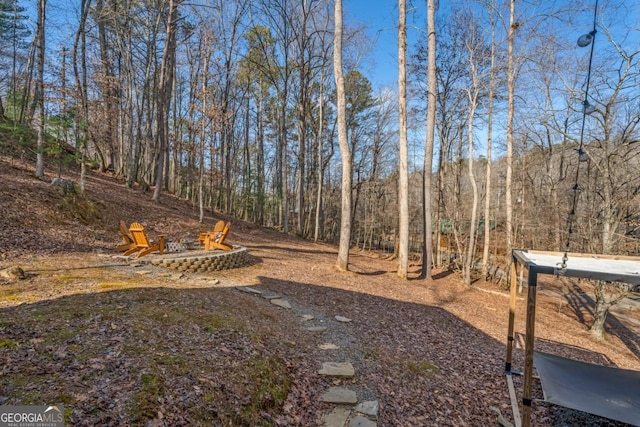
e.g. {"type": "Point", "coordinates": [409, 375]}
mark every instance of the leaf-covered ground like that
{"type": "Point", "coordinates": [125, 345]}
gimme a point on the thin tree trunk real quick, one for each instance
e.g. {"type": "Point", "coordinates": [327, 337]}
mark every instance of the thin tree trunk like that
{"type": "Point", "coordinates": [487, 196]}
{"type": "Point", "coordinates": [403, 173]}
{"type": "Point", "coordinates": [246, 161]}
{"type": "Point", "coordinates": [26, 109]}
{"type": "Point", "coordinates": [260, 165]}
{"type": "Point", "coordinates": [165, 85]}
{"type": "Point", "coordinates": [510, 114]}
{"type": "Point", "coordinates": [203, 132]}
{"type": "Point", "coordinates": [345, 217]}
{"type": "Point", "coordinates": [427, 255]}
{"type": "Point", "coordinates": [42, 7]}
{"type": "Point", "coordinates": [81, 84]}
{"type": "Point", "coordinates": [316, 231]}
{"type": "Point", "coordinates": [474, 187]}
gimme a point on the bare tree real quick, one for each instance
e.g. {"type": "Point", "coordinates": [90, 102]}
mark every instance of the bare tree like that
{"type": "Point", "coordinates": [488, 187]}
{"type": "Point", "coordinates": [403, 171]}
{"type": "Point", "coordinates": [164, 99]}
{"type": "Point", "coordinates": [345, 212]}
{"type": "Point", "coordinates": [81, 87]}
{"type": "Point", "coordinates": [510, 113]}
{"type": "Point", "coordinates": [39, 98]}
{"type": "Point", "coordinates": [427, 255]}
{"type": "Point", "coordinates": [473, 94]}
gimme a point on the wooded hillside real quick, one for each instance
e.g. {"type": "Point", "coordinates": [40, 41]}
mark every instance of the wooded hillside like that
{"type": "Point", "coordinates": [232, 105]}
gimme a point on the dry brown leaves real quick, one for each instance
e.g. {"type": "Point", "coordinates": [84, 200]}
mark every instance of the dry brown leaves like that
{"type": "Point", "coordinates": [118, 348]}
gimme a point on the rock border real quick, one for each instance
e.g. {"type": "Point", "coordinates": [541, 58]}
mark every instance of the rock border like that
{"type": "Point", "coordinates": [200, 261]}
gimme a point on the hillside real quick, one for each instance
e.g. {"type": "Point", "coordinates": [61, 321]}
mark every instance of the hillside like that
{"type": "Point", "coordinates": [121, 344]}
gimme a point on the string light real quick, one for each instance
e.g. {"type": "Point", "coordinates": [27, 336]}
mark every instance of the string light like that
{"type": "Point", "coordinates": [584, 41]}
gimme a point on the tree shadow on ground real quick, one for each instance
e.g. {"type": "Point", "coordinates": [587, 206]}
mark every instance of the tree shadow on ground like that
{"type": "Point", "coordinates": [442, 274]}
{"type": "Point", "coordinates": [288, 249]}
{"type": "Point", "coordinates": [371, 273]}
{"type": "Point", "coordinates": [582, 305]}
{"type": "Point", "coordinates": [388, 339]}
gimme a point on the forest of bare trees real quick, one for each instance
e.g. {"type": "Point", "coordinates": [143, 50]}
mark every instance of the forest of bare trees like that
{"type": "Point", "coordinates": [242, 107]}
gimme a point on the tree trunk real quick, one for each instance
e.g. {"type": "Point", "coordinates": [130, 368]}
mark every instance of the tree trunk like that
{"type": "Point", "coordinates": [345, 211]}
{"type": "Point", "coordinates": [510, 114]}
{"type": "Point", "coordinates": [42, 6]}
{"type": "Point", "coordinates": [600, 311]}
{"type": "Point", "coordinates": [81, 85]}
{"type": "Point", "coordinates": [320, 179]}
{"type": "Point", "coordinates": [403, 172]}
{"type": "Point", "coordinates": [165, 85]}
{"type": "Point", "coordinates": [474, 207]}
{"type": "Point", "coordinates": [260, 162]}
{"type": "Point", "coordinates": [203, 127]}
{"type": "Point", "coordinates": [487, 196]}
{"type": "Point", "coordinates": [427, 255]}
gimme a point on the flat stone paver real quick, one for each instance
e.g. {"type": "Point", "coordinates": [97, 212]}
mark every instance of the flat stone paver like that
{"type": "Point", "coordinates": [337, 418]}
{"type": "Point", "coordinates": [369, 408]}
{"type": "Point", "coordinates": [337, 369]}
{"type": "Point", "coordinates": [271, 295]}
{"type": "Point", "coordinates": [317, 328]}
{"type": "Point", "coordinates": [342, 319]}
{"type": "Point", "coordinates": [340, 395]}
{"type": "Point", "coordinates": [281, 303]}
{"type": "Point", "coordinates": [249, 290]}
{"type": "Point", "coordinates": [328, 346]}
{"type": "Point", "coordinates": [360, 421]}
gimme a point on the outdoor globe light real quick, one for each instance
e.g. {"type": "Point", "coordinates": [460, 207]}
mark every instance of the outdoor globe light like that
{"type": "Point", "coordinates": [587, 107]}
{"type": "Point", "coordinates": [586, 39]}
{"type": "Point", "coordinates": [582, 155]}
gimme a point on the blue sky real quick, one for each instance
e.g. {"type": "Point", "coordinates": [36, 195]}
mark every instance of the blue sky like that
{"type": "Point", "coordinates": [380, 17]}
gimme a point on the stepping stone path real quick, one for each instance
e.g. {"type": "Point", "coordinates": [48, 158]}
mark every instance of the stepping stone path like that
{"type": "Point", "coordinates": [269, 295]}
{"type": "Point", "coordinates": [328, 346]}
{"type": "Point", "coordinates": [360, 421]}
{"type": "Point", "coordinates": [340, 395]}
{"type": "Point", "coordinates": [338, 417]}
{"type": "Point", "coordinates": [364, 413]}
{"type": "Point", "coordinates": [369, 408]}
{"type": "Point", "coordinates": [249, 290]}
{"type": "Point", "coordinates": [281, 303]}
{"type": "Point", "coordinates": [337, 369]}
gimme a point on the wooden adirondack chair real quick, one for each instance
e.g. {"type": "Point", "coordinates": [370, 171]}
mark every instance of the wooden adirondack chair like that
{"type": "Point", "coordinates": [126, 239]}
{"type": "Point", "coordinates": [142, 245]}
{"type": "Point", "coordinates": [216, 240]}
{"type": "Point", "coordinates": [217, 229]}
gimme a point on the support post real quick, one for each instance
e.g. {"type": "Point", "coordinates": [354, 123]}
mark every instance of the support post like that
{"type": "Point", "coordinates": [513, 278]}
{"type": "Point", "coordinates": [528, 348]}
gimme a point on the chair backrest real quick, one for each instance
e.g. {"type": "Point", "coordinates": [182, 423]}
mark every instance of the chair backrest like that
{"type": "Point", "coordinates": [219, 226]}
{"type": "Point", "coordinates": [138, 235]}
{"type": "Point", "coordinates": [223, 234]}
{"type": "Point", "coordinates": [125, 233]}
